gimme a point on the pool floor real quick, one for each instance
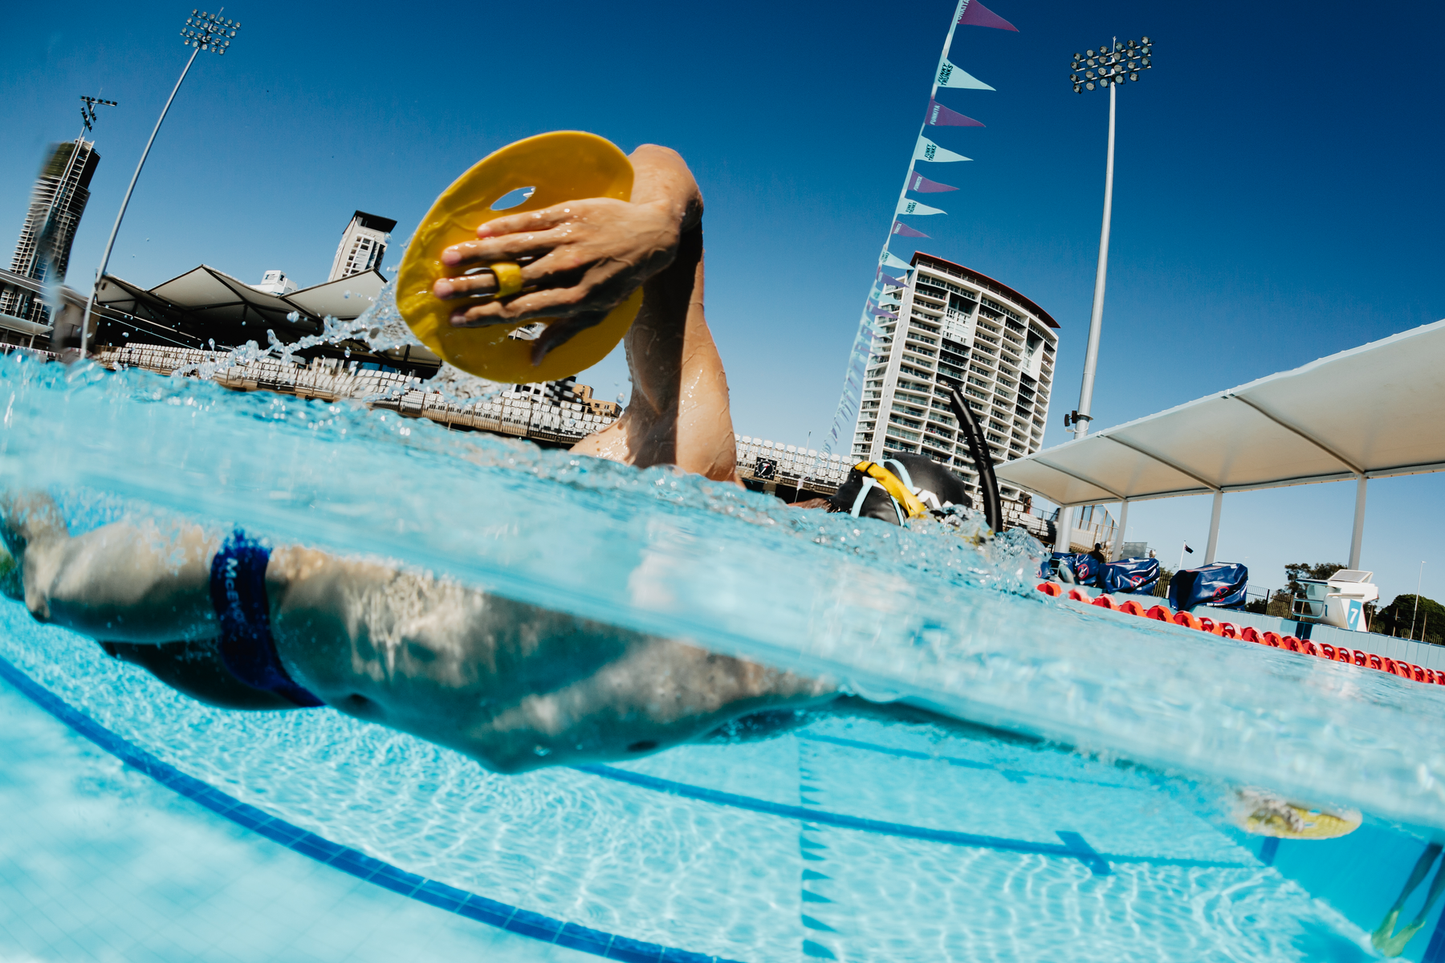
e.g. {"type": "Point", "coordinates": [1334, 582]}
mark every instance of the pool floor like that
{"type": "Point", "coordinates": [842, 841]}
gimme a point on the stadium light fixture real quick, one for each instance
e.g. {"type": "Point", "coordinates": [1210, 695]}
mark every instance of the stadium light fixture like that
{"type": "Point", "coordinates": [87, 110]}
{"type": "Point", "coordinates": [1109, 65]}
{"type": "Point", "coordinates": [203, 31]}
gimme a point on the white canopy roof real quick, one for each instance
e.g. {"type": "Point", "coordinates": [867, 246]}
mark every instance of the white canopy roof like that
{"type": "Point", "coordinates": [1372, 411]}
{"type": "Point", "coordinates": [207, 295]}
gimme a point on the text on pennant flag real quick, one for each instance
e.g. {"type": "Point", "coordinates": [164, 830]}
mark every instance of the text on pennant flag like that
{"type": "Point", "coordinates": [927, 150]}
{"type": "Point", "coordinates": [906, 206]}
{"type": "Point", "coordinates": [903, 230]}
{"type": "Point", "coordinates": [917, 182]}
{"type": "Point", "coordinates": [952, 75]}
{"type": "Point", "coordinates": [940, 116]}
{"type": "Point", "coordinates": [976, 14]}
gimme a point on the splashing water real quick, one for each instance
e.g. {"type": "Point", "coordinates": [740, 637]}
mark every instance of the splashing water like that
{"type": "Point", "coordinates": [381, 327]}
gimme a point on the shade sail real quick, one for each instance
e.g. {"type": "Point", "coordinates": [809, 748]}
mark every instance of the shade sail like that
{"type": "Point", "coordinates": [210, 302]}
{"type": "Point", "coordinates": [1372, 411]}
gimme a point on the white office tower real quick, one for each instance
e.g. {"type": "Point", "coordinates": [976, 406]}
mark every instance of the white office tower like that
{"type": "Point", "coordinates": [956, 328]}
{"type": "Point", "coordinates": [362, 245]}
{"type": "Point", "coordinates": [275, 282]}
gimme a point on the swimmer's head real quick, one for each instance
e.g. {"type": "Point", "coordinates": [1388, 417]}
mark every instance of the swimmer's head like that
{"type": "Point", "coordinates": [936, 486]}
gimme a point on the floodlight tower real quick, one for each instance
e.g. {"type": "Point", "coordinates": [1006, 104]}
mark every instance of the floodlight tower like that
{"type": "Point", "coordinates": [203, 32]}
{"type": "Point", "coordinates": [1106, 67]}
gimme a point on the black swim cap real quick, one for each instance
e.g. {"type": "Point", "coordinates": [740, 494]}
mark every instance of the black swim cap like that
{"type": "Point", "coordinates": [938, 487]}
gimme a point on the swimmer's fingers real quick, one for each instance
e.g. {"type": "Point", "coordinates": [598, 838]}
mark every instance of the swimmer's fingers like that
{"type": "Point", "coordinates": [508, 247]}
{"type": "Point", "coordinates": [560, 332]}
{"type": "Point", "coordinates": [590, 295]}
{"type": "Point", "coordinates": [519, 235]}
{"type": "Point", "coordinates": [468, 285]}
{"type": "Point", "coordinates": [542, 268]}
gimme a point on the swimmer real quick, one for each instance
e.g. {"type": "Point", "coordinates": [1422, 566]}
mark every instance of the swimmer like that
{"type": "Point", "coordinates": [1385, 938]}
{"type": "Point", "coordinates": [512, 685]}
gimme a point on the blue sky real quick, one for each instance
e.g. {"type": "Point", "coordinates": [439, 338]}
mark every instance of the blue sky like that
{"type": "Point", "coordinates": [1277, 181]}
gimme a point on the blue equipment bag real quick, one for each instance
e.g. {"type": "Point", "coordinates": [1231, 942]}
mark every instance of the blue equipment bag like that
{"type": "Point", "coordinates": [1136, 575]}
{"type": "Point", "coordinates": [1081, 565]}
{"type": "Point", "coordinates": [1219, 586]}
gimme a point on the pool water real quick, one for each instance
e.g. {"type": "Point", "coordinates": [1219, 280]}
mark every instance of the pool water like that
{"type": "Point", "coordinates": [1073, 804]}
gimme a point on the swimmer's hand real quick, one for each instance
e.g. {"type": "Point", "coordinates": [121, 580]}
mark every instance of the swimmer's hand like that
{"type": "Point", "coordinates": [587, 255]}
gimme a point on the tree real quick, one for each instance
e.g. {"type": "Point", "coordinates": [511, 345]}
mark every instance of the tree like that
{"type": "Point", "coordinates": [1302, 570]}
{"type": "Point", "coordinates": [1396, 618]}
{"type": "Point", "coordinates": [1281, 603]}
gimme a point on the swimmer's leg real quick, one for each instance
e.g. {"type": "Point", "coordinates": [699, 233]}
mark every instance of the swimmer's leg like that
{"type": "Point", "coordinates": [1395, 945]}
{"type": "Point", "coordinates": [1384, 936]}
{"type": "Point", "coordinates": [679, 412]}
{"type": "Point", "coordinates": [123, 582]}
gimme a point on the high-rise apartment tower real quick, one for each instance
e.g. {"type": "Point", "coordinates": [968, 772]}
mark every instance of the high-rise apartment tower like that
{"type": "Point", "coordinates": [362, 245]}
{"type": "Point", "coordinates": [56, 204]}
{"type": "Point", "coordinates": [956, 328]}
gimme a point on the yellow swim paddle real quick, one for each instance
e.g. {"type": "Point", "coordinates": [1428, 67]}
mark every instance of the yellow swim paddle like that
{"type": "Point", "coordinates": [560, 166]}
{"type": "Point", "coordinates": [1265, 814]}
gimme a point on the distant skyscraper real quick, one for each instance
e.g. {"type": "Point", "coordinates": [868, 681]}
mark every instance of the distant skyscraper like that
{"type": "Point", "coordinates": [56, 204]}
{"type": "Point", "coordinates": [956, 328]}
{"type": "Point", "coordinates": [362, 245]}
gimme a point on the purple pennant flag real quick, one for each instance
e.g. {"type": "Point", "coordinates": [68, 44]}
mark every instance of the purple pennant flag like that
{"type": "Point", "coordinates": [976, 14]}
{"type": "Point", "coordinates": [917, 182]}
{"type": "Point", "coordinates": [880, 313]}
{"type": "Point", "coordinates": [891, 280]}
{"type": "Point", "coordinates": [941, 116]}
{"type": "Point", "coordinates": [903, 230]}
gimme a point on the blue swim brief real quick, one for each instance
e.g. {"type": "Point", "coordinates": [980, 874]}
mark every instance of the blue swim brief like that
{"type": "Point", "coordinates": [238, 591]}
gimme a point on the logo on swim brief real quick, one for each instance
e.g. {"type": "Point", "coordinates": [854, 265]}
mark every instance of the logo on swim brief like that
{"type": "Point", "coordinates": [233, 597]}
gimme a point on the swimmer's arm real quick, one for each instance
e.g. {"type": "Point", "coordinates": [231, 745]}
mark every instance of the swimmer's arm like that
{"type": "Point", "coordinates": [662, 179]}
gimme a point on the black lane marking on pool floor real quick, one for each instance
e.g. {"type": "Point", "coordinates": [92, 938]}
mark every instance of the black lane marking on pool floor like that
{"type": "Point", "coordinates": [1073, 847]}
{"type": "Point", "coordinates": [348, 860]}
{"type": "Point", "coordinates": [820, 914]}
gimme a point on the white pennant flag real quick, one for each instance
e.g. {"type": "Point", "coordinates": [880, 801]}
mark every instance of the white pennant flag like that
{"type": "Point", "coordinates": [929, 151]}
{"type": "Point", "coordinates": [888, 260]}
{"type": "Point", "coordinates": [906, 206]}
{"type": "Point", "coordinates": [952, 75]}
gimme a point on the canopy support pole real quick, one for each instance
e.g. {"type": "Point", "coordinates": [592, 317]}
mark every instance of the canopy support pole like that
{"type": "Point", "coordinates": [1064, 530]}
{"type": "Point", "coordinates": [1118, 551]}
{"type": "Point", "coordinates": [1214, 529]}
{"type": "Point", "coordinates": [1357, 538]}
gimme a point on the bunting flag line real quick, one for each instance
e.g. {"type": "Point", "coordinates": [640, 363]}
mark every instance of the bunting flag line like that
{"type": "Point", "coordinates": [940, 116]}
{"type": "Point", "coordinates": [927, 150]}
{"type": "Point", "coordinates": [917, 182]}
{"type": "Point", "coordinates": [906, 206]}
{"type": "Point", "coordinates": [976, 14]}
{"type": "Point", "coordinates": [951, 75]}
{"type": "Point", "coordinates": [870, 343]}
